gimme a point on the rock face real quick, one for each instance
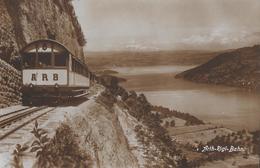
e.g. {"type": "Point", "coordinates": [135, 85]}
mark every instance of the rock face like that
{"type": "Point", "coordinates": [116, 138]}
{"type": "Point", "coordinates": [102, 136]}
{"type": "Point", "coordinates": [240, 68]}
{"type": "Point", "coordinates": [10, 84]}
{"type": "Point", "coordinates": [29, 20]}
{"type": "Point", "coordinates": [25, 21]}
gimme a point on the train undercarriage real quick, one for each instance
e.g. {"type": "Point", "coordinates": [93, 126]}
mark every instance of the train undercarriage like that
{"type": "Point", "coordinates": [52, 95]}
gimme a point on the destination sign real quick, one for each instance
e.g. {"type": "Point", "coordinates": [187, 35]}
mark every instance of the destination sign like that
{"type": "Point", "coordinates": [44, 76]}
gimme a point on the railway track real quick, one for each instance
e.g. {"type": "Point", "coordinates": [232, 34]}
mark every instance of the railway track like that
{"type": "Point", "coordinates": [8, 117]}
{"type": "Point", "coordinates": [13, 121]}
{"type": "Point", "coordinates": [12, 112]}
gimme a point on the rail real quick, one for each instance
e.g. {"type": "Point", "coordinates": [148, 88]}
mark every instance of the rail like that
{"type": "Point", "coordinates": [15, 118]}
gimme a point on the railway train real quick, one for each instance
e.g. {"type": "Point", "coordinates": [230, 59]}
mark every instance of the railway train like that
{"type": "Point", "coordinates": [50, 72]}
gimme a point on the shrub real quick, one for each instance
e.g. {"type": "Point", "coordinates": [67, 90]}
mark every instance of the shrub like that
{"type": "Point", "coordinates": [107, 99]}
{"type": "Point", "coordinates": [17, 153]}
{"type": "Point", "coordinates": [42, 146]}
{"type": "Point", "coordinates": [61, 151]}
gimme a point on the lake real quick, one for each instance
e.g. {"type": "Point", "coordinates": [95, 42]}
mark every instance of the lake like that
{"type": "Point", "coordinates": [232, 107]}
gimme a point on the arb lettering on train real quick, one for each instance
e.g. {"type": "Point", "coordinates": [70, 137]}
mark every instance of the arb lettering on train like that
{"type": "Point", "coordinates": [44, 77]}
{"type": "Point", "coordinates": [55, 77]}
{"type": "Point", "coordinates": [33, 77]}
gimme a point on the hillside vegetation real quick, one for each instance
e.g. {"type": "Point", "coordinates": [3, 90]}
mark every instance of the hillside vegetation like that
{"type": "Point", "coordinates": [240, 68]}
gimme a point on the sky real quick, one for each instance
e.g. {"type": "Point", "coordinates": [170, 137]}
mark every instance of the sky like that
{"type": "Point", "coordinates": [111, 25]}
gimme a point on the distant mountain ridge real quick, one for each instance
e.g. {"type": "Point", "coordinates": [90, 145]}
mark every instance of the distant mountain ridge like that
{"type": "Point", "coordinates": [239, 68]}
{"type": "Point", "coordinates": [106, 60]}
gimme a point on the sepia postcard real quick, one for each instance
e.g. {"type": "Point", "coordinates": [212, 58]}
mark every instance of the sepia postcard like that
{"type": "Point", "coordinates": [129, 84]}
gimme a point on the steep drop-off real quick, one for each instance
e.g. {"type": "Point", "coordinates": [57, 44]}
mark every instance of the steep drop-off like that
{"type": "Point", "coordinates": [240, 68]}
{"type": "Point", "coordinates": [115, 128]}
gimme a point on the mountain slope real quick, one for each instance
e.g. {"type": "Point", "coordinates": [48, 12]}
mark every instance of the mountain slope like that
{"type": "Point", "coordinates": [240, 68]}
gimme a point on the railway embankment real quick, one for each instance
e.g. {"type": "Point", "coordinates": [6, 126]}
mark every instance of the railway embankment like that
{"type": "Point", "coordinates": [10, 85]}
{"type": "Point", "coordinates": [108, 130]}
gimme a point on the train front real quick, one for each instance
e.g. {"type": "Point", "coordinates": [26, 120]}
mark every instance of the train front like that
{"type": "Point", "coordinates": [45, 71]}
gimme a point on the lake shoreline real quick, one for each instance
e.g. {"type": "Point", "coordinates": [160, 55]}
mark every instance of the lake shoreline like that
{"type": "Point", "coordinates": [236, 108]}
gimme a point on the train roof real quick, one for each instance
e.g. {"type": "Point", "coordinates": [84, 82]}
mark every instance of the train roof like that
{"type": "Point", "coordinates": [47, 41]}
{"type": "Point", "coordinates": [32, 45]}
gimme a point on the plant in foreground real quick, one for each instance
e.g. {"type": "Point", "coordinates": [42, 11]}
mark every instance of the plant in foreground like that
{"type": "Point", "coordinates": [60, 151]}
{"type": "Point", "coordinates": [41, 146]}
{"type": "Point", "coordinates": [17, 153]}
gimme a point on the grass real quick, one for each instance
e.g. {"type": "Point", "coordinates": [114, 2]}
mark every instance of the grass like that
{"type": "Point", "coordinates": [202, 136]}
{"type": "Point", "coordinates": [173, 131]}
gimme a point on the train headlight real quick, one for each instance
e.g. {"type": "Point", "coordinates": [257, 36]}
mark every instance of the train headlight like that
{"type": "Point", "coordinates": [56, 85]}
{"type": "Point", "coordinates": [30, 85]}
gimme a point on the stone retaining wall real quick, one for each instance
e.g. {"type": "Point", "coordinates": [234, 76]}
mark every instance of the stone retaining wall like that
{"type": "Point", "coordinates": [10, 85]}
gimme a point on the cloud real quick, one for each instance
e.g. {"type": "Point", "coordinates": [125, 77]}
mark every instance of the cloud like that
{"type": "Point", "coordinates": [221, 40]}
{"type": "Point", "coordinates": [168, 23]}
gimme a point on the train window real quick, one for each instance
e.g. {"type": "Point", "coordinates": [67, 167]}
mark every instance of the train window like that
{"type": "Point", "coordinates": [60, 59]}
{"type": "Point", "coordinates": [73, 65]}
{"type": "Point", "coordinates": [44, 59]}
{"type": "Point", "coordinates": [29, 60]}
{"type": "Point", "coordinates": [78, 67]}
{"type": "Point", "coordinates": [85, 72]}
